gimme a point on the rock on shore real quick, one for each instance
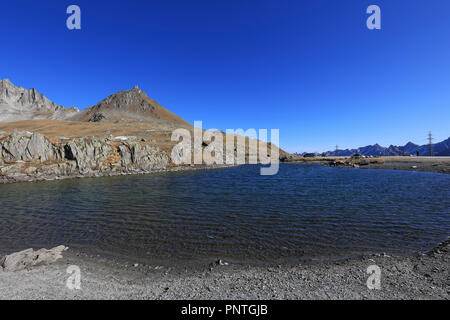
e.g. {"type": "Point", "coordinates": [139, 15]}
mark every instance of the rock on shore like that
{"type": "Point", "coordinates": [29, 258]}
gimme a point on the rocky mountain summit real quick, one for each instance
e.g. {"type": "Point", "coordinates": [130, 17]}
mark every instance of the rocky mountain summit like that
{"type": "Point", "coordinates": [17, 103]}
{"type": "Point", "coordinates": [128, 105]}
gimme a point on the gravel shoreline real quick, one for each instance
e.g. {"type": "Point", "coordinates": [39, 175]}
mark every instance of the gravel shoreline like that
{"type": "Point", "coordinates": [423, 164]}
{"type": "Point", "coordinates": [425, 276]}
{"type": "Point", "coordinates": [437, 167]}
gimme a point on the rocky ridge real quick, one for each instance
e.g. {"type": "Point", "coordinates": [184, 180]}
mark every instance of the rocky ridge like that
{"type": "Point", "coordinates": [26, 156]}
{"type": "Point", "coordinates": [17, 103]}
{"type": "Point", "coordinates": [439, 149]}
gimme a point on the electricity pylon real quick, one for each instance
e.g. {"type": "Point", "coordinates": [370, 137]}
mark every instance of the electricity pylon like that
{"type": "Point", "coordinates": [430, 143]}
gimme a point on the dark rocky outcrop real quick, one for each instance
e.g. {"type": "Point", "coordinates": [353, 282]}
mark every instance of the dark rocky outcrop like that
{"type": "Point", "coordinates": [97, 117]}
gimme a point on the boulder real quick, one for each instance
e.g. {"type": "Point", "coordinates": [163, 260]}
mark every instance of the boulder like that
{"type": "Point", "coordinates": [40, 148]}
{"type": "Point", "coordinates": [125, 138]}
{"type": "Point", "coordinates": [89, 153]}
{"type": "Point", "coordinates": [30, 170]}
{"type": "Point", "coordinates": [27, 146]}
{"type": "Point", "coordinates": [29, 258]}
{"type": "Point", "coordinates": [125, 155]}
{"type": "Point", "coordinates": [14, 147]}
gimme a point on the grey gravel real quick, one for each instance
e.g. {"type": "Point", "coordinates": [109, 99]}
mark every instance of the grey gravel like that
{"type": "Point", "coordinates": [419, 277]}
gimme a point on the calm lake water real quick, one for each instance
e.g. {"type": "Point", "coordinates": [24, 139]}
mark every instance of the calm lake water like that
{"type": "Point", "coordinates": [304, 212]}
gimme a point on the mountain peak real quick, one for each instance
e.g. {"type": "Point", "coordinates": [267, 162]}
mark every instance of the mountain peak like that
{"type": "Point", "coordinates": [130, 105]}
{"type": "Point", "coordinates": [6, 83]}
{"type": "Point", "coordinates": [18, 103]}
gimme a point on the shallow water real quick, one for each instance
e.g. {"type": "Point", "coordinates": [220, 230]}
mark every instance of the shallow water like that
{"type": "Point", "coordinates": [304, 212]}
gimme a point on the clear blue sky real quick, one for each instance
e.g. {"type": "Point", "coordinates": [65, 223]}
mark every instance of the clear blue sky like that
{"type": "Point", "coordinates": [310, 68]}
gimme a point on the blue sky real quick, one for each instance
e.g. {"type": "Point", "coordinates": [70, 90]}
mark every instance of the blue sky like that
{"type": "Point", "coordinates": [310, 68]}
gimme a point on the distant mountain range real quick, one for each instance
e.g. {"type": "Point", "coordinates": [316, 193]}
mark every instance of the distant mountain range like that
{"type": "Point", "coordinates": [439, 149]}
